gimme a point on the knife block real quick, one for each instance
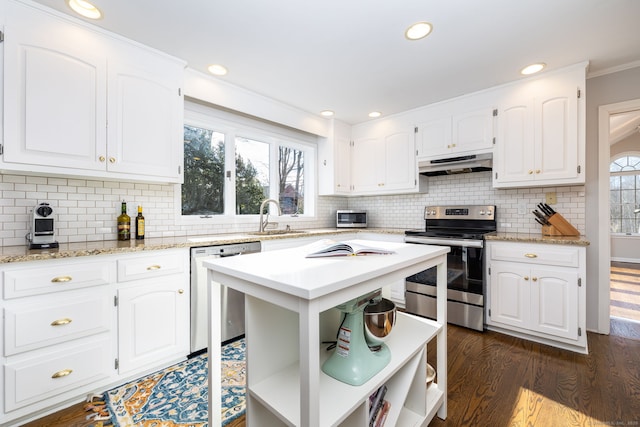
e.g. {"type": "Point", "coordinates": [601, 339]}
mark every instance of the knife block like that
{"type": "Point", "coordinates": [559, 227]}
{"type": "Point", "coordinates": [550, 230]}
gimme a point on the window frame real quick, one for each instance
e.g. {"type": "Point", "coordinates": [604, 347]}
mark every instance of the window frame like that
{"type": "Point", "coordinates": [635, 172]}
{"type": "Point", "coordinates": [237, 125]}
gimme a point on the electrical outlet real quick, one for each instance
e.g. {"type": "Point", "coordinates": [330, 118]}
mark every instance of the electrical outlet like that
{"type": "Point", "coordinates": [522, 207]}
{"type": "Point", "coordinates": [551, 198]}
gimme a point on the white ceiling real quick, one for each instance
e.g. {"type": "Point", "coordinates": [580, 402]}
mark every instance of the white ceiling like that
{"type": "Point", "coordinates": [351, 56]}
{"type": "Point", "coordinates": [623, 125]}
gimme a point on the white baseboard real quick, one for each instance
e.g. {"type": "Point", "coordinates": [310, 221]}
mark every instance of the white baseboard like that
{"type": "Point", "coordinates": [631, 260]}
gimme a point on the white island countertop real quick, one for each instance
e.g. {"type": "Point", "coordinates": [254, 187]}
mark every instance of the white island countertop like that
{"type": "Point", "coordinates": [288, 270]}
{"type": "Point", "coordinates": [284, 284]}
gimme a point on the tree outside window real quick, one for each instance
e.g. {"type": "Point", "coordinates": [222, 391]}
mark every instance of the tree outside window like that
{"type": "Point", "coordinates": [203, 187]}
{"type": "Point", "coordinates": [291, 180]}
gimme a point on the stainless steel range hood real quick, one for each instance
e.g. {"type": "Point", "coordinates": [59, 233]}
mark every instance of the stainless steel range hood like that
{"type": "Point", "coordinates": [456, 165]}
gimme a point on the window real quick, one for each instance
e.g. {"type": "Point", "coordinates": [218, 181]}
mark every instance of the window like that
{"type": "Point", "coordinates": [233, 163]}
{"type": "Point", "coordinates": [203, 188]}
{"type": "Point", "coordinates": [625, 194]}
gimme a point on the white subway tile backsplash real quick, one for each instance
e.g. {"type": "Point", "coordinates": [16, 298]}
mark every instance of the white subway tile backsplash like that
{"type": "Point", "coordinates": [86, 209]}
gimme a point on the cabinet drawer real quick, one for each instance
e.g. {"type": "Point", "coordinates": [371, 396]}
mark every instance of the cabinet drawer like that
{"type": "Point", "coordinates": [152, 265]}
{"type": "Point", "coordinates": [46, 321]}
{"type": "Point", "coordinates": [34, 379]}
{"type": "Point", "coordinates": [55, 277]}
{"type": "Point", "coordinates": [536, 254]}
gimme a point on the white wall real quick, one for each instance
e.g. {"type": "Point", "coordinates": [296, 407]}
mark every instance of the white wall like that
{"type": "Point", "coordinates": [625, 248]}
{"type": "Point", "coordinates": [603, 90]}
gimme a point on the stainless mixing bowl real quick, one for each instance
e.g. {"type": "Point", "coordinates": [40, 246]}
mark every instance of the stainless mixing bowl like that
{"type": "Point", "coordinates": [379, 319]}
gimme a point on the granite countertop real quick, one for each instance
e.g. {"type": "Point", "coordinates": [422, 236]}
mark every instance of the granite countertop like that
{"type": "Point", "coordinates": [9, 254]}
{"type": "Point", "coordinates": [537, 238]}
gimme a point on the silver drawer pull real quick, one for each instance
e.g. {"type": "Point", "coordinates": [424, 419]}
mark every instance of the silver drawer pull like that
{"type": "Point", "coordinates": [61, 279]}
{"type": "Point", "coordinates": [154, 267]}
{"type": "Point", "coordinates": [531, 255]}
{"type": "Point", "coordinates": [62, 373]}
{"type": "Point", "coordinates": [61, 322]}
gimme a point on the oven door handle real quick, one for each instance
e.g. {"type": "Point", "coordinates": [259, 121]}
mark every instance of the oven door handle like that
{"type": "Point", "coordinates": [445, 242]}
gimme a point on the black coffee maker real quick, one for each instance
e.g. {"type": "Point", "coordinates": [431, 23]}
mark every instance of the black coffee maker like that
{"type": "Point", "coordinates": [42, 228]}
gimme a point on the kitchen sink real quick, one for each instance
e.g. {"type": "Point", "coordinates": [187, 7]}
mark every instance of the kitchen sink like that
{"type": "Point", "coordinates": [275, 232]}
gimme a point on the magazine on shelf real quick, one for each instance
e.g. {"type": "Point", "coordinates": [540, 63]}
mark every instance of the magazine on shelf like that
{"type": "Point", "coordinates": [382, 414]}
{"type": "Point", "coordinates": [376, 404]}
{"type": "Point", "coordinates": [328, 247]}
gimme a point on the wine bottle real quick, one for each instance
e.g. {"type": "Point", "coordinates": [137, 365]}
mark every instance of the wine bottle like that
{"type": "Point", "coordinates": [139, 224]}
{"type": "Point", "coordinates": [124, 223]}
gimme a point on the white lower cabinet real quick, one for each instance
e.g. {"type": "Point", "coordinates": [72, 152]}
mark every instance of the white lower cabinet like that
{"type": "Point", "coordinates": [67, 324]}
{"type": "Point", "coordinates": [154, 319]}
{"type": "Point", "coordinates": [153, 309]}
{"type": "Point", "coordinates": [56, 372]}
{"type": "Point", "coordinates": [537, 291]}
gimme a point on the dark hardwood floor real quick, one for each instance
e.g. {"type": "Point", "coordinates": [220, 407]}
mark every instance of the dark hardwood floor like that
{"type": "Point", "coordinates": [497, 380]}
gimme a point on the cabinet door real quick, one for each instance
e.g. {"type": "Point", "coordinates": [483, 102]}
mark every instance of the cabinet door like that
{"type": "Point", "coordinates": [434, 137]}
{"type": "Point", "coordinates": [342, 163]}
{"type": "Point", "coordinates": [399, 161]}
{"type": "Point", "coordinates": [510, 289]}
{"type": "Point", "coordinates": [556, 157]}
{"type": "Point", "coordinates": [554, 299]}
{"type": "Point", "coordinates": [153, 322]}
{"type": "Point", "coordinates": [367, 165]}
{"type": "Point", "coordinates": [334, 160]}
{"type": "Point", "coordinates": [514, 154]}
{"type": "Point", "coordinates": [473, 131]}
{"type": "Point", "coordinates": [55, 92]}
{"type": "Point", "coordinates": [145, 118]}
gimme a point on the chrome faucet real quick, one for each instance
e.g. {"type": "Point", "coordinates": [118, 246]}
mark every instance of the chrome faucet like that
{"type": "Point", "coordinates": [263, 225]}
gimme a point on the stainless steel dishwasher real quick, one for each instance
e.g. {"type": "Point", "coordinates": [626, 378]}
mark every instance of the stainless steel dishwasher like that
{"type": "Point", "coordinates": [232, 301]}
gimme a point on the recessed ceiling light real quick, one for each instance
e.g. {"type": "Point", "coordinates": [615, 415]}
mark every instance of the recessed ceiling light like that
{"type": "Point", "coordinates": [85, 9]}
{"type": "Point", "coordinates": [217, 69]}
{"type": "Point", "coordinates": [326, 113]}
{"type": "Point", "coordinates": [533, 68]}
{"type": "Point", "coordinates": [375, 114]}
{"type": "Point", "coordinates": [418, 31]}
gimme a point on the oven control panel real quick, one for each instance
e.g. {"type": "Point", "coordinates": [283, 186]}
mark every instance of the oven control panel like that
{"type": "Point", "coordinates": [486, 212]}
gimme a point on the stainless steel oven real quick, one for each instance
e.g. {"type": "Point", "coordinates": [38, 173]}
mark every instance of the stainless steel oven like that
{"type": "Point", "coordinates": [462, 228]}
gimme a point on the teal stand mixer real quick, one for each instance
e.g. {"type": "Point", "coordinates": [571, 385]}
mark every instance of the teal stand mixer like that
{"type": "Point", "coordinates": [360, 352]}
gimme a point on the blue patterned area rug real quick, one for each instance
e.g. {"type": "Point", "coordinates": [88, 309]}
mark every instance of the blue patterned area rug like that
{"type": "Point", "coordinates": [177, 396]}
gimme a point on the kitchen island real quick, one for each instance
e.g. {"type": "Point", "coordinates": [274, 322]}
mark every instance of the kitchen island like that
{"type": "Point", "coordinates": [290, 304]}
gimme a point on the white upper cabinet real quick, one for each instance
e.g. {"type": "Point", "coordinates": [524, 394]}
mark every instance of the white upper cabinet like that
{"type": "Point", "coordinates": [455, 130]}
{"type": "Point", "coordinates": [383, 160]}
{"type": "Point", "coordinates": [145, 111]}
{"type": "Point", "coordinates": [54, 93]}
{"type": "Point", "coordinates": [541, 138]}
{"type": "Point", "coordinates": [334, 154]}
{"type": "Point", "coordinates": [79, 102]}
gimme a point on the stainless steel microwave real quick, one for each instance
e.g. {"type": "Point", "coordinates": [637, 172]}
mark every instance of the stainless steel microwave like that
{"type": "Point", "coordinates": [351, 219]}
